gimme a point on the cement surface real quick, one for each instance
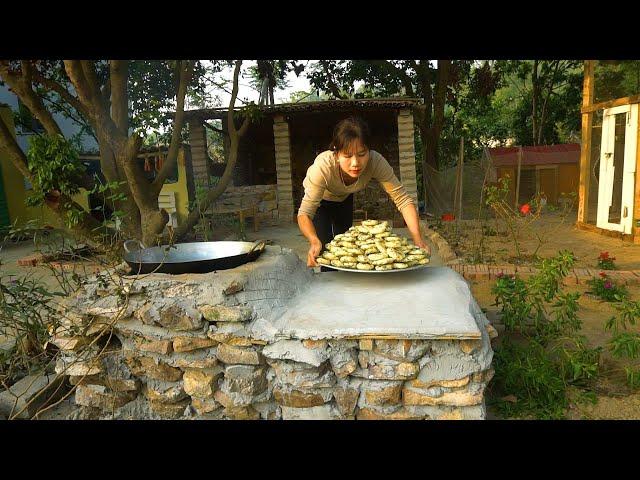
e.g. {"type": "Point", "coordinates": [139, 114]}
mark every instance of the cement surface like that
{"type": "Point", "coordinates": [434, 302]}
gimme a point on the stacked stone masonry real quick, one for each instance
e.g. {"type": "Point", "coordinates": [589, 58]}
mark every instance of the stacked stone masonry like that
{"type": "Point", "coordinates": [407, 154]}
{"type": "Point", "coordinates": [283, 169]}
{"type": "Point", "coordinates": [199, 155]}
{"type": "Point", "coordinates": [188, 348]}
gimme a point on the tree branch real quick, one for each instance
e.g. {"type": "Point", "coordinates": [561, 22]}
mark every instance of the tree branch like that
{"type": "Point", "coordinates": [184, 78]}
{"type": "Point", "coordinates": [119, 72]}
{"type": "Point", "coordinates": [16, 155]}
{"type": "Point", "coordinates": [20, 84]}
{"type": "Point", "coordinates": [333, 87]}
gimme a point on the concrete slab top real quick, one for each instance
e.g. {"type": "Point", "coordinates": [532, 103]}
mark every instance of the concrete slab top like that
{"type": "Point", "coordinates": [433, 302]}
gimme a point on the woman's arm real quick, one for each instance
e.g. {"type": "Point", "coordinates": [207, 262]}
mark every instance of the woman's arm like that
{"type": "Point", "coordinates": [410, 215]}
{"type": "Point", "coordinates": [309, 231]}
{"type": "Point", "coordinates": [383, 172]}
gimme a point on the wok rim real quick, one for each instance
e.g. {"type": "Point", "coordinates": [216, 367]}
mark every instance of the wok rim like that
{"type": "Point", "coordinates": [127, 256]}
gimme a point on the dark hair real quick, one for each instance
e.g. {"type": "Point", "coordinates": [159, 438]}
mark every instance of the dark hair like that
{"type": "Point", "coordinates": [348, 130]}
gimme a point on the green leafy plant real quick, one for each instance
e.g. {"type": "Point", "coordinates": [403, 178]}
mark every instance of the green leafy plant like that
{"type": "Point", "coordinates": [542, 354]}
{"type": "Point", "coordinates": [606, 262]}
{"type": "Point", "coordinates": [625, 344]}
{"type": "Point", "coordinates": [55, 165]}
{"type": "Point", "coordinates": [606, 289]}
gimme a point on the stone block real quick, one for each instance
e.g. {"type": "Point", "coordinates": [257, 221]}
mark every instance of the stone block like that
{"type": "Point", "coordinates": [321, 412]}
{"type": "Point", "coordinates": [374, 414]}
{"type": "Point", "coordinates": [308, 377]}
{"type": "Point", "coordinates": [461, 382]}
{"type": "Point", "coordinates": [156, 369]}
{"type": "Point", "coordinates": [382, 392]}
{"type": "Point", "coordinates": [78, 367]}
{"type": "Point", "coordinates": [344, 362]}
{"type": "Point", "coordinates": [204, 406]}
{"type": "Point", "coordinates": [70, 344]}
{"type": "Point", "coordinates": [237, 355]}
{"type": "Point", "coordinates": [346, 395]}
{"type": "Point", "coordinates": [187, 344]}
{"type": "Point", "coordinates": [241, 413]}
{"type": "Point", "coordinates": [199, 382]}
{"type": "Point", "coordinates": [470, 346]}
{"type": "Point", "coordinates": [179, 314]}
{"type": "Point", "coordinates": [401, 371]}
{"type": "Point", "coordinates": [296, 351]}
{"type": "Point", "coordinates": [164, 392]}
{"type": "Point", "coordinates": [401, 350]}
{"type": "Point", "coordinates": [99, 396]}
{"type": "Point", "coordinates": [221, 313]}
{"type": "Point", "coordinates": [244, 379]}
{"type": "Point", "coordinates": [289, 397]}
{"type": "Point", "coordinates": [34, 392]}
{"type": "Point", "coordinates": [268, 410]}
{"type": "Point", "coordinates": [170, 410]}
{"type": "Point", "coordinates": [456, 398]}
{"type": "Point", "coordinates": [197, 359]}
{"type": "Point", "coordinates": [162, 347]}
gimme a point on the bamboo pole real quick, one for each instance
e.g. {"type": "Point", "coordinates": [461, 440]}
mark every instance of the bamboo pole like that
{"type": "Point", "coordinates": [518, 177]}
{"type": "Point", "coordinates": [461, 167]}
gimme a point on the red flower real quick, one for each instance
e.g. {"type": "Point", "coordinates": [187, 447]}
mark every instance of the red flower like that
{"type": "Point", "coordinates": [607, 284]}
{"type": "Point", "coordinates": [525, 209]}
{"type": "Point", "coordinates": [604, 255]}
{"type": "Point", "coordinates": [603, 275]}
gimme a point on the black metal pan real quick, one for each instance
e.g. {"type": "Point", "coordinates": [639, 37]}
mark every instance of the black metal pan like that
{"type": "Point", "coordinates": [198, 257]}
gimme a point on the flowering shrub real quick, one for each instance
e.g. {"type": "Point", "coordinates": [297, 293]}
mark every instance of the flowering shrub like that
{"type": "Point", "coordinates": [605, 261]}
{"type": "Point", "coordinates": [606, 289]}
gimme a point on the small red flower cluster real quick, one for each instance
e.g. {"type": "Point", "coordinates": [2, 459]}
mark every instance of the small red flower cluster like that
{"type": "Point", "coordinates": [525, 209]}
{"type": "Point", "coordinates": [605, 256]}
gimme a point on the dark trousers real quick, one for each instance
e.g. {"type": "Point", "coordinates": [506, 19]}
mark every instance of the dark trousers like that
{"type": "Point", "coordinates": [331, 219]}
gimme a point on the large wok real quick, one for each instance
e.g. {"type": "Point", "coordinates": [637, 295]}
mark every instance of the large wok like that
{"type": "Point", "coordinates": [199, 257]}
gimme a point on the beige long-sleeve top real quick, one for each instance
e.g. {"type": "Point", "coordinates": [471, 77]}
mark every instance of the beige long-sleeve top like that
{"type": "Point", "coordinates": [323, 182]}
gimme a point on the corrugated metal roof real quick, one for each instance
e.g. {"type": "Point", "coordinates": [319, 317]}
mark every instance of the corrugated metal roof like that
{"type": "Point", "coordinates": [539, 155]}
{"type": "Point", "coordinates": [363, 103]}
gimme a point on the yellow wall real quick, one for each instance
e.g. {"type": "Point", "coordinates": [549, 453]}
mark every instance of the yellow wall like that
{"type": "Point", "coordinates": [180, 189]}
{"type": "Point", "coordinates": [16, 193]}
{"type": "Point", "coordinates": [568, 178]}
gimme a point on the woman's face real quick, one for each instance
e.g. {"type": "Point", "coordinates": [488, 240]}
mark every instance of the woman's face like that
{"type": "Point", "coordinates": [354, 159]}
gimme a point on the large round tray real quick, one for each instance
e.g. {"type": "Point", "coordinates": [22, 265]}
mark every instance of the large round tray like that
{"type": "Point", "coordinates": [395, 270]}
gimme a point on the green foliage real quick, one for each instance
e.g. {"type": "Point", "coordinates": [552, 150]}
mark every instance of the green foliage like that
{"type": "Point", "coordinates": [616, 79]}
{"type": "Point", "coordinates": [26, 314]}
{"type": "Point", "coordinates": [549, 356]}
{"type": "Point", "coordinates": [606, 289]}
{"type": "Point", "coordinates": [55, 166]}
{"type": "Point", "coordinates": [606, 262]}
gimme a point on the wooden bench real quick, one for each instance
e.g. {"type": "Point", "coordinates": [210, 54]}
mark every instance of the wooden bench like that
{"type": "Point", "coordinates": [242, 212]}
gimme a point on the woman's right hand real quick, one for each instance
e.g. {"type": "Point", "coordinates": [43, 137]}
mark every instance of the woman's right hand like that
{"type": "Point", "coordinates": [314, 251]}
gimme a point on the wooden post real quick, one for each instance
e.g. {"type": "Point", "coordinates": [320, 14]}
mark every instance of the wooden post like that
{"type": "Point", "coordinates": [585, 151]}
{"type": "Point", "coordinates": [461, 168]}
{"type": "Point", "coordinates": [518, 177]}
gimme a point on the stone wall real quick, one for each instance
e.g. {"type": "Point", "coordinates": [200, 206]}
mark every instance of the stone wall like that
{"type": "Point", "coordinates": [199, 346]}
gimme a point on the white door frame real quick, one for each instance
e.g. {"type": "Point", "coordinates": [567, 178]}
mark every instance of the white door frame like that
{"type": "Point", "coordinates": [605, 187]}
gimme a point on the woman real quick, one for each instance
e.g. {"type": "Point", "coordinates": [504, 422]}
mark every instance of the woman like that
{"type": "Point", "coordinates": [326, 209]}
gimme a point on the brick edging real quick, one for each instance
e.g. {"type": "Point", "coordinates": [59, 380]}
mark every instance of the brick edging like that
{"type": "Point", "coordinates": [444, 249]}
{"type": "Point", "coordinates": [576, 276]}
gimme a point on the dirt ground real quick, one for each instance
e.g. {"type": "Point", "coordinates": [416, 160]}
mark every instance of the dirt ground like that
{"type": "Point", "coordinates": [557, 232]}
